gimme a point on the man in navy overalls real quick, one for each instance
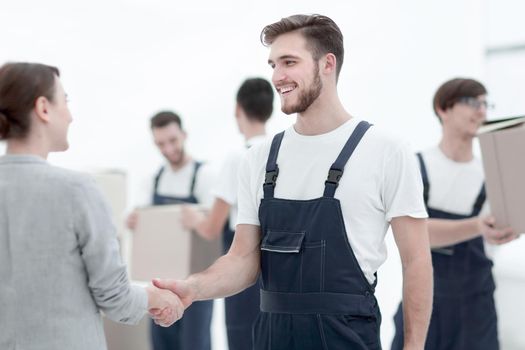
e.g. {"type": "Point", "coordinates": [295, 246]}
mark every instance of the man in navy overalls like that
{"type": "Point", "coordinates": [176, 183]}
{"type": "Point", "coordinates": [254, 108]}
{"type": "Point", "coordinates": [464, 315]}
{"type": "Point", "coordinates": [314, 208]}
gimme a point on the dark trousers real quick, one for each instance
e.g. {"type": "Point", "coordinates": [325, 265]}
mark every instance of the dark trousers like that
{"type": "Point", "coordinates": [192, 332]}
{"type": "Point", "coordinates": [241, 312]}
{"type": "Point", "coordinates": [457, 323]}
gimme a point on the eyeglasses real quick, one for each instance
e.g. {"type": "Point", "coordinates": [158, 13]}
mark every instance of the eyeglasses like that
{"type": "Point", "coordinates": [474, 103]}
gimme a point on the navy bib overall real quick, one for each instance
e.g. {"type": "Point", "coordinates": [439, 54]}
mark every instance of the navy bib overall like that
{"type": "Point", "coordinates": [464, 314]}
{"type": "Point", "coordinates": [192, 332]}
{"type": "Point", "coordinates": [314, 294]}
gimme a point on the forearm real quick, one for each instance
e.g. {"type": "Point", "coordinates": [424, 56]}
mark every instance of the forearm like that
{"type": "Point", "coordinates": [109, 283]}
{"type": "Point", "coordinates": [128, 307]}
{"type": "Point", "coordinates": [448, 232]}
{"type": "Point", "coordinates": [417, 300]}
{"type": "Point", "coordinates": [229, 275]}
{"type": "Point", "coordinates": [107, 278]}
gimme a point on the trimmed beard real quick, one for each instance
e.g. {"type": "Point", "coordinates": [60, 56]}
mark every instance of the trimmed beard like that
{"type": "Point", "coordinates": [180, 161]}
{"type": "Point", "coordinates": [307, 97]}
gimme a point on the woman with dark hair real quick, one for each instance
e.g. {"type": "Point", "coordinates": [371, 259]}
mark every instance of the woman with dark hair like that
{"type": "Point", "coordinates": [59, 256]}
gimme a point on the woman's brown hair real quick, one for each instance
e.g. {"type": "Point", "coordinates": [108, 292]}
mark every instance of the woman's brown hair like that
{"type": "Point", "coordinates": [21, 84]}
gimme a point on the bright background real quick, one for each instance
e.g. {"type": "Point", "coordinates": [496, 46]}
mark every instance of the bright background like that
{"type": "Point", "coordinates": [122, 61]}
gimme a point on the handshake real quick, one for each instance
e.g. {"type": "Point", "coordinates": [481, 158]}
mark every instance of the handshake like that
{"type": "Point", "coordinates": [167, 300]}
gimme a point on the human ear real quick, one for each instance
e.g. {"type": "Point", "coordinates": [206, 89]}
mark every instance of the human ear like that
{"type": "Point", "coordinates": [42, 109]}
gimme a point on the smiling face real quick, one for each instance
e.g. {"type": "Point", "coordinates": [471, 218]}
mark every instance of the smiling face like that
{"type": "Point", "coordinates": [295, 73]}
{"type": "Point", "coordinates": [466, 116]}
{"type": "Point", "coordinates": [170, 142]}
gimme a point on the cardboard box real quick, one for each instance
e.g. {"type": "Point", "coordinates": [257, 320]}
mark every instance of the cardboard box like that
{"type": "Point", "coordinates": [162, 248]}
{"type": "Point", "coordinates": [112, 183]}
{"type": "Point", "coordinates": [503, 152]}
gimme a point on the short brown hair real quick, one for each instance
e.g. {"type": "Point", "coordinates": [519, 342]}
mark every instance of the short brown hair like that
{"type": "Point", "coordinates": [163, 118]}
{"type": "Point", "coordinates": [321, 33]}
{"type": "Point", "coordinates": [21, 84]}
{"type": "Point", "coordinates": [453, 90]}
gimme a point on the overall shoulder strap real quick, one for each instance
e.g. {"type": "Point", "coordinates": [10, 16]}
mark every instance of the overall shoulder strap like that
{"type": "Point", "coordinates": [272, 169]}
{"type": "Point", "coordinates": [480, 200]}
{"type": "Point", "coordinates": [424, 177]}
{"type": "Point", "coordinates": [336, 170]}
{"type": "Point", "coordinates": [157, 179]}
{"type": "Point", "coordinates": [194, 177]}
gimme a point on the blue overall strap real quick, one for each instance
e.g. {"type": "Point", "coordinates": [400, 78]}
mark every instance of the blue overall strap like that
{"type": "Point", "coordinates": [272, 170]}
{"type": "Point", "coordinates": [195, 170]}
{"type": "Point", "coordinates": [156, 184]}
{"type": "Point", "coordinates": [479, 201]}
{"type": "Point", "coordinates": [336, 170]}
{"type": "Point", "coordinates": [424, 177]}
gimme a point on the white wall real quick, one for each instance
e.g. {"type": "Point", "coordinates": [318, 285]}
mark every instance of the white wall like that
{"type": "Point", "coordinates": [506, 69]}
{"type": "Point", "coordinates": [121, 61]}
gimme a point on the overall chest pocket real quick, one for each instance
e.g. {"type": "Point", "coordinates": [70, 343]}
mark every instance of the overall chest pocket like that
{"type": "Point", "coordinates": [290, 263]}
{"type": "Point", "coordinates": [283, 242]}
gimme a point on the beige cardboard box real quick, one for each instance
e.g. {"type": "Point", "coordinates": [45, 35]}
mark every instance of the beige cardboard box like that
{"type": "Point", "coordinates": [162, 248]}
{"type": "Point", "coordinates": [503, 152]}
{"type": "Point", "coordinates": [112, 183]}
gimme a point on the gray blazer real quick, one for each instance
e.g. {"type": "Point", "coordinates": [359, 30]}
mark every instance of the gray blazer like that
{"type": "Point", "coordinates": [59, 260]}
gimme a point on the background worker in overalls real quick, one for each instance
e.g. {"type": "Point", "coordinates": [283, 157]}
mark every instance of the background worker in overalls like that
{"type": "Point", "coordinates": [464, 315]}
{"type": "Point", "coordinates": [254, 106]}
{"type": "Point", "coordinates": [180, 180]}
{"type": "Point", "coordinates": [313, 214]}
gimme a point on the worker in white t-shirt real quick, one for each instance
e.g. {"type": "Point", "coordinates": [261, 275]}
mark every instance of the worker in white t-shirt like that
{"type": "Point", "coordinates": [180, 180]}
{"type": "Point", "coordinates": [464, 315]}
{"type": "Point", "coordinates": [314, 208]}
{"type": "Point", "coordinates": [253, 109]}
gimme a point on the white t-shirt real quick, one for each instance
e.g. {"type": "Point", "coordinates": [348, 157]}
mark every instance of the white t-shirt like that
{"type": "Point", "coordinates": [381, 181]}
{"type": "Point", "coordinates": [454, 186]}
{"type": "Point", "coordinates": [226, 184]}
{"type": "Point", "coordinates": [178, 184]}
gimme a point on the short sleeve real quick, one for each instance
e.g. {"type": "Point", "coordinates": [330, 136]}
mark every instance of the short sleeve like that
{"type": "Point", "coordinates": [204, 183]}
{"type": "Point", "coordinates": [248, 179]}
{"type": "Point", "coordinates": [402, 192]}
{"type": "Point", "coordinates": [226, 184]}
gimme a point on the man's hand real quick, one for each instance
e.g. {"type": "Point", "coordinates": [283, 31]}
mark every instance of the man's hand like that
{"type": "Point", "coordinates": [208, 225]}
{"type": "Point", "coordinates": [181, 288]}
{"type": "Point", "coordinates": [164, 306]}
{"type": "Point", "coordinates": [132, 220]}
{"type": "Point", "coordinates": [191, 217]}
{"type": "Point", "coordinates": [494, 235]}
